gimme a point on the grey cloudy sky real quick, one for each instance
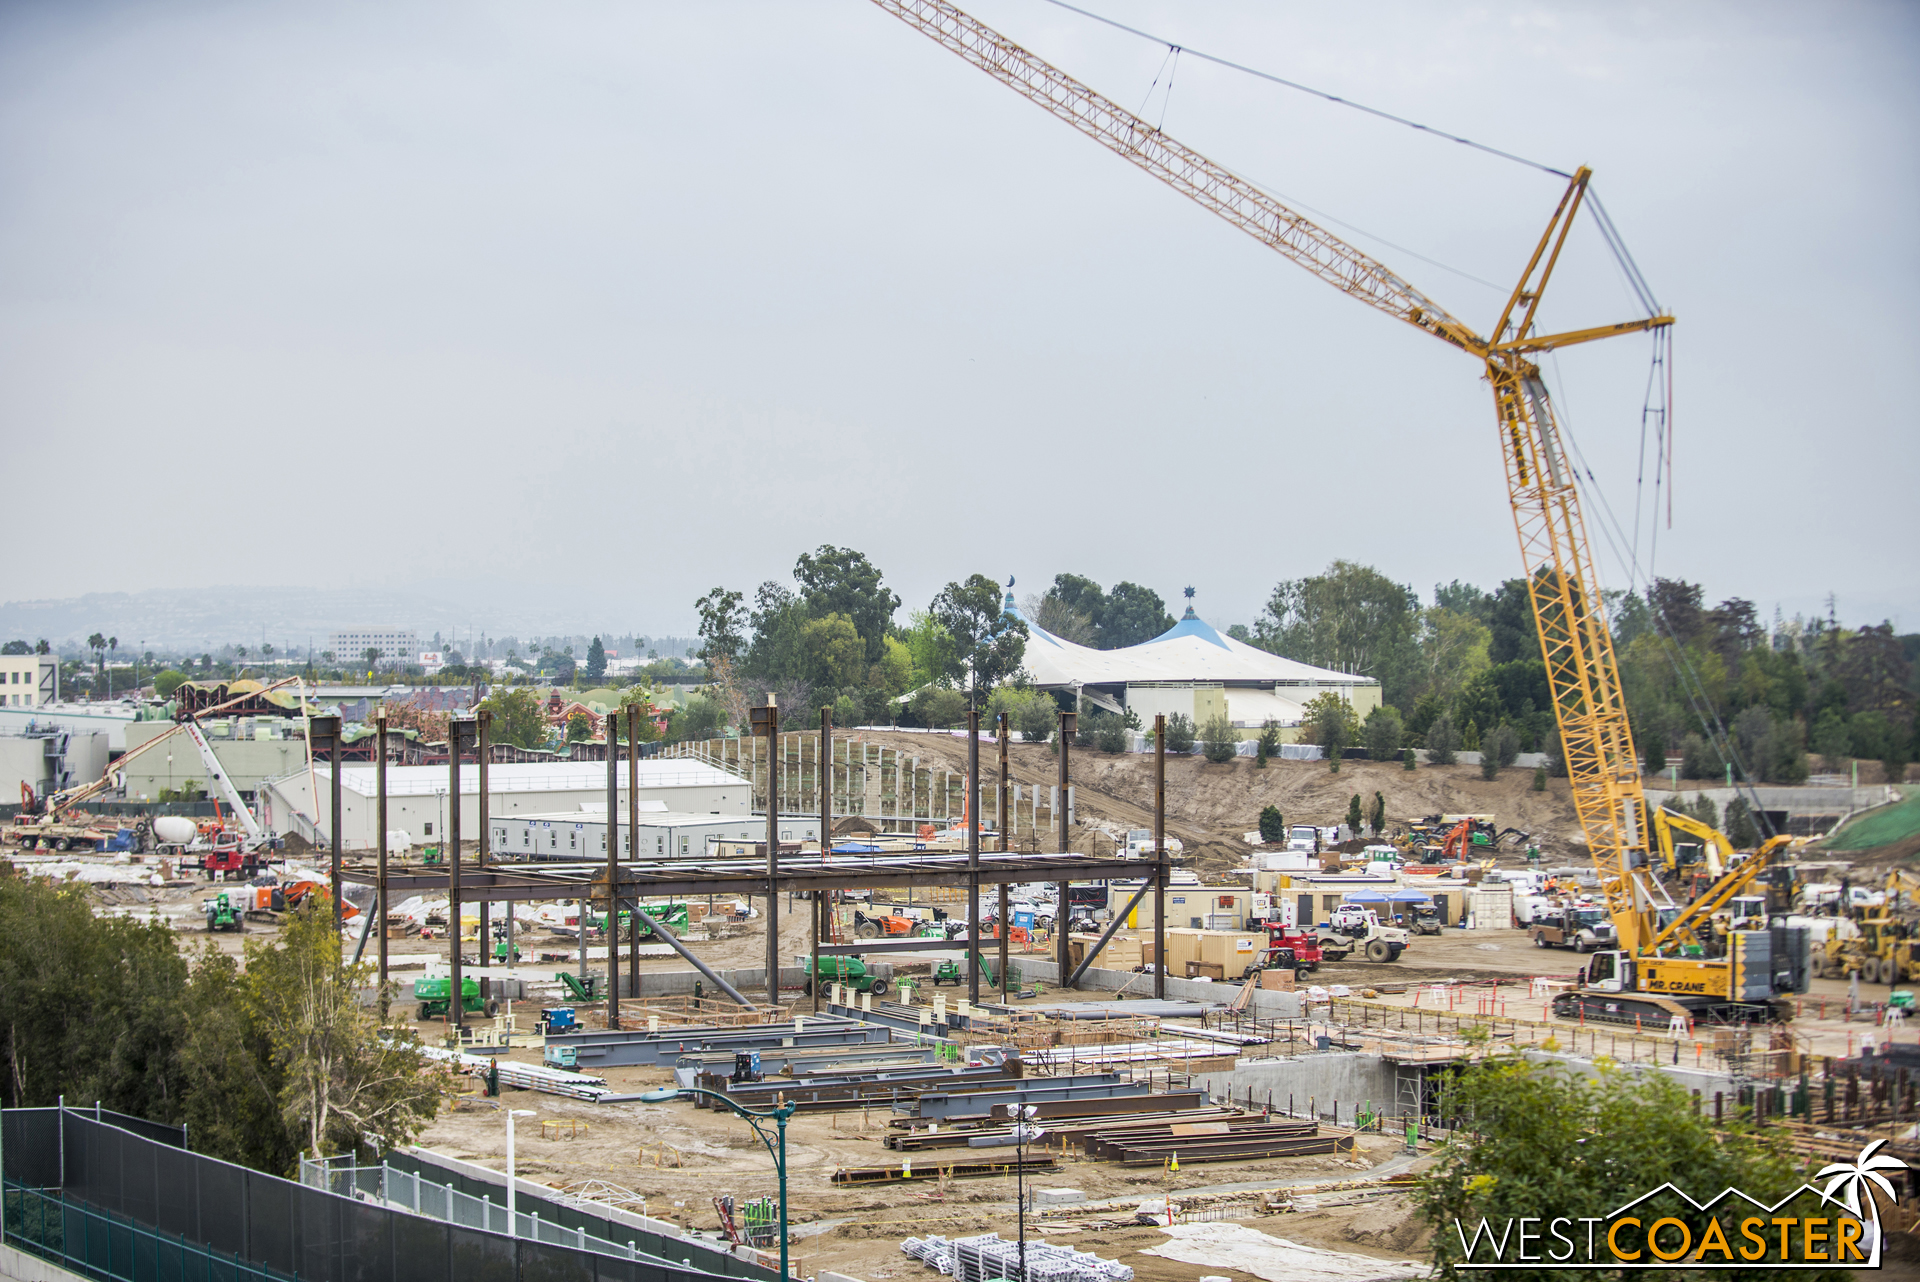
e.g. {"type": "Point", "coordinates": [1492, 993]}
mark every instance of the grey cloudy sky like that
{"type": "Point", "coordinates": [626, 300]}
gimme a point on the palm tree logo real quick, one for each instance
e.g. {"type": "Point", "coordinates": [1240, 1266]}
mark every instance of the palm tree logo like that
{"type": "Point", "coordinates": [1848, 1180]}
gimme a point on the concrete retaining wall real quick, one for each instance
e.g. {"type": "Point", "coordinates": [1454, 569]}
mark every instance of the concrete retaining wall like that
{"type": "Point", "coordinates": [27, 1267]}
{"type": "Point", "coordinates": [1349, 1078]}
{"type": "Point", "coordinates": [1266, 1003]}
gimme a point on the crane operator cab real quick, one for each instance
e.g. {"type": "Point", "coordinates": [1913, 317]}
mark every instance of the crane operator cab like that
{"type": "Point", "coordinates": [1608, 972]}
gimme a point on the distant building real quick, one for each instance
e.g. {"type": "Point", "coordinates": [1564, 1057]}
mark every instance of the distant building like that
{"type": "Point", "coordinates": [29, 680]}
{"type": "Point", "coordinates": [417, 801]}
{"type": "Point", "coordinates": [395, 645]}
{"type": "Point", "coordinates": [1191, 669]}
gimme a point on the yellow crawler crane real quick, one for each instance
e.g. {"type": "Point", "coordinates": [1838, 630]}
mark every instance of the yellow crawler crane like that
{"type": "Point", "coordinates": [1650, 974]}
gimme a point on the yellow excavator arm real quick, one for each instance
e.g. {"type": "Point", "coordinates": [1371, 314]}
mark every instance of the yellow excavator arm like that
{"type": "Point", "coordinates": [1717, 849]}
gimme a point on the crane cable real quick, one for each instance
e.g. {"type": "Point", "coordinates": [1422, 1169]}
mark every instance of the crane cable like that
{"type": "Point", "coordinates": [1615, 242]}
{"type": "Point", "coordinates": [1309, 89]}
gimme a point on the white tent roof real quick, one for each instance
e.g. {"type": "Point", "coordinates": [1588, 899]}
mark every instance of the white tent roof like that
{"type": "Point", "coordinates": [1191, 650]}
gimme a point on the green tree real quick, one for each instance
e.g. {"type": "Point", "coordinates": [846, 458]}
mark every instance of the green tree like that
{"type": "Point", "coordinates": [1221, 743]}
{"type": "Point", "coordinates": [518, 718]}
{"type": "Point", "coordinates": [1273, 826]}
{"type": "Point", "coordinates": [166, 683]}
{"type": "Point", "coordinates": [1407, 761]}
{"type": "Point", "coordinates": [700, 717]}
{"type": "Point", "coordinates": [841, 581]}
{"type": "Point", "coordinates": [1051, 614]}
{"type": "Point", "coordinates": [16, 647]}
{"type": "Point", "coordinates": [1269, 740]}
{"type": "Point", "coordinates": [939, 706]}
{"type": "Point", "coordinates": [90, 1007]}
{"type": "Point", "coordinates": [1532, 1136]}
{"type": "Point", "coordinates": [932, 649]}
{"type": "Point", "coordinates": [596, 660]}
{"type": "Point", "coordinates": [1351, 618]}
{"type": "Point", "coordinates": [1328, 721]}
{"type": "Point", "coordinates": [1654, 745]}
{"type": "Point", "coordinates": [989, 643]}
{"type": "Point", "coordinates": [893, 674]}
{"type": "Point", "coordinates": [1356, 817]}
{"type": "Point", "coordinates": [1180, 734]}
{"type": "Point", "coordinates": [1132, 614]}
{"type": "Point", "coordinates": [1539, 778]}
{"type": "Point", "coordinates": [1741, 830]}
{"type": "Point", "coordinates": [1377, 814]}
{"type": "Point", "coordinates": [1443, 741]}
{"type": "Point", "coordinates": [833, 653]}
{"type": "Point", "coordinates": [1498, 751]}
{"type": "Point", "coordinates": [347, 1084]}
{"type": "Point", "coordinates": [1109, 732]}
{"type": "Point", "coordinates": [579, 727]}
{"type": "Point", "coordinates": [723, 619]}
{"type": "Point", "coordinates": [1383, 733]}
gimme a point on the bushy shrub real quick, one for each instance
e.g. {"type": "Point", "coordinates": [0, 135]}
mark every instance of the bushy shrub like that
{"type": "Point", "coordinates": [1180, 734]}
{"type": "Point", "coordinates": [1221, 745]}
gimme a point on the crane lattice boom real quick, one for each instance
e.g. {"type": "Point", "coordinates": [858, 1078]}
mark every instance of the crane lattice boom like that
{"type": "Point", "coordinates": [1562, 580]}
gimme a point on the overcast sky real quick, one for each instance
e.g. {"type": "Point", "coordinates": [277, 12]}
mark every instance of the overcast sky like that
{"type": "Point", "coordinates": [628, 300]}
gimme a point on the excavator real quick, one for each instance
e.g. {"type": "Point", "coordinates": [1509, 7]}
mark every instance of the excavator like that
{"type": "Point", "coordinates": [1664, 964]}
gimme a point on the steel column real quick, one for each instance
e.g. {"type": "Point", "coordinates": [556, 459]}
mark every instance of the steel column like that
{"type": "Point", "coordinates": [633, 840]}
{"type": "Point", "coordinates": [1000, 823]}
{"type": "Point", "coordinates": [766, 722]}
{"type": "Point", "coordinates": [380, 820]}
{"type": "Point", "coordinates": [482, 719]}
{"type": "Point", "coordinates": [1160, 855]}
{"type": "Point", "coordinates": [1062, 917]}
{"type": "Point", "coordinates": [456, 1003]}
{"type": "Point", "coordinates": [823, 776]}
{"type": "Point", "coordinates": [973, 855]}
{"type": "Point", "coordinates": [613, 869]}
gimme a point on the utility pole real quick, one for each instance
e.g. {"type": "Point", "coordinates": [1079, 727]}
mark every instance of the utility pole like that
{"type": "Point", "coordinates": [633, 845]}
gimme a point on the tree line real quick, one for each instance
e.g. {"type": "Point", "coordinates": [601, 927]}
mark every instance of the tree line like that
{"type": "Point", "coordinates": [263, 1063]}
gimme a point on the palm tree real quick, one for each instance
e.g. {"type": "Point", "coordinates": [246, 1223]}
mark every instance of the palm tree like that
{"type": "Point", "coordinates": [113, 644]}
{"type": "Point", "coordinates": [1854, 1177]}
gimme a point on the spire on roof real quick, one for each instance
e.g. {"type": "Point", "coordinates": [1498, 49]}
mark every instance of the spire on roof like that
{"type": "Point", "coordinates": [1189, 614]}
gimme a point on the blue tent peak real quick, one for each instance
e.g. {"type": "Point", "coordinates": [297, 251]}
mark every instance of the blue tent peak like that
{"type": "Point", "coordinates": [1192, 625]}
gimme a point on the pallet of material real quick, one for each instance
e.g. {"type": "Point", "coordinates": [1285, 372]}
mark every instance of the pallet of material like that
{"type": "Point", "coordinates": [952, 1170]}
{"type": "Point", "coordinates": [1249, 1137]}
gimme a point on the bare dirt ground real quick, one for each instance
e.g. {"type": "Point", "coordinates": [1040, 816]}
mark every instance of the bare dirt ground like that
{"type": "Point", "coordinates": [1209, 806]}
{"type": "Point", "coordinates": [679, 1158]}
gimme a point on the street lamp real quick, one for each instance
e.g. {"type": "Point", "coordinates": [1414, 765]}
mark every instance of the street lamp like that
{"type": "Point", "coordinates": [1022, 1114]}
{"type": "Point", "coordinates": [512, 1224]}
{"type": "Point", "coordinates": [776, 1143]}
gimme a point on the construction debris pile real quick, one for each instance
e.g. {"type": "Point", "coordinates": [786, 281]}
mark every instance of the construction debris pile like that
{"type": "Point", "coordinates": [987, 1257]}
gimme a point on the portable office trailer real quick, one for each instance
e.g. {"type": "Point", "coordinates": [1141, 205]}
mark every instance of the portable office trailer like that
{"type": "Point", "coordinates": [574, 836]}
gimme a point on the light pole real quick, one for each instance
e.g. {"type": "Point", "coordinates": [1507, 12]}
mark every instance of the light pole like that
{"type": "Point", "coordinates": [1022, 1114]}
{"type": "Point", "coordinates": [776, 1143]}
{"type": "Point", "coordinates": [512, 1224]}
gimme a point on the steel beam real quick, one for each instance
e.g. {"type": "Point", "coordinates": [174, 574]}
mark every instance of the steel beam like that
{"type": "Point", "coordinates": [673, 941]}
{"type": "Point", "coordinates": [1119, 919]}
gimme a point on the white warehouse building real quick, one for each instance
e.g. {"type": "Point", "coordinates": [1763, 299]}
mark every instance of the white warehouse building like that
{"type": "Point", "coordinates": [417, 801]}
{"type": "Point", "coordinates": [582, 834]}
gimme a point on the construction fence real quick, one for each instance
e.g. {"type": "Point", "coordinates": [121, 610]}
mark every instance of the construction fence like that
{"type": "Point", "coordinates": [129, 1187]}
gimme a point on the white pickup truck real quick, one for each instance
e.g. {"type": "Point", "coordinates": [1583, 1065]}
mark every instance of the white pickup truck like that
{"type": "Point", "coordinates": [1140, 844]}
